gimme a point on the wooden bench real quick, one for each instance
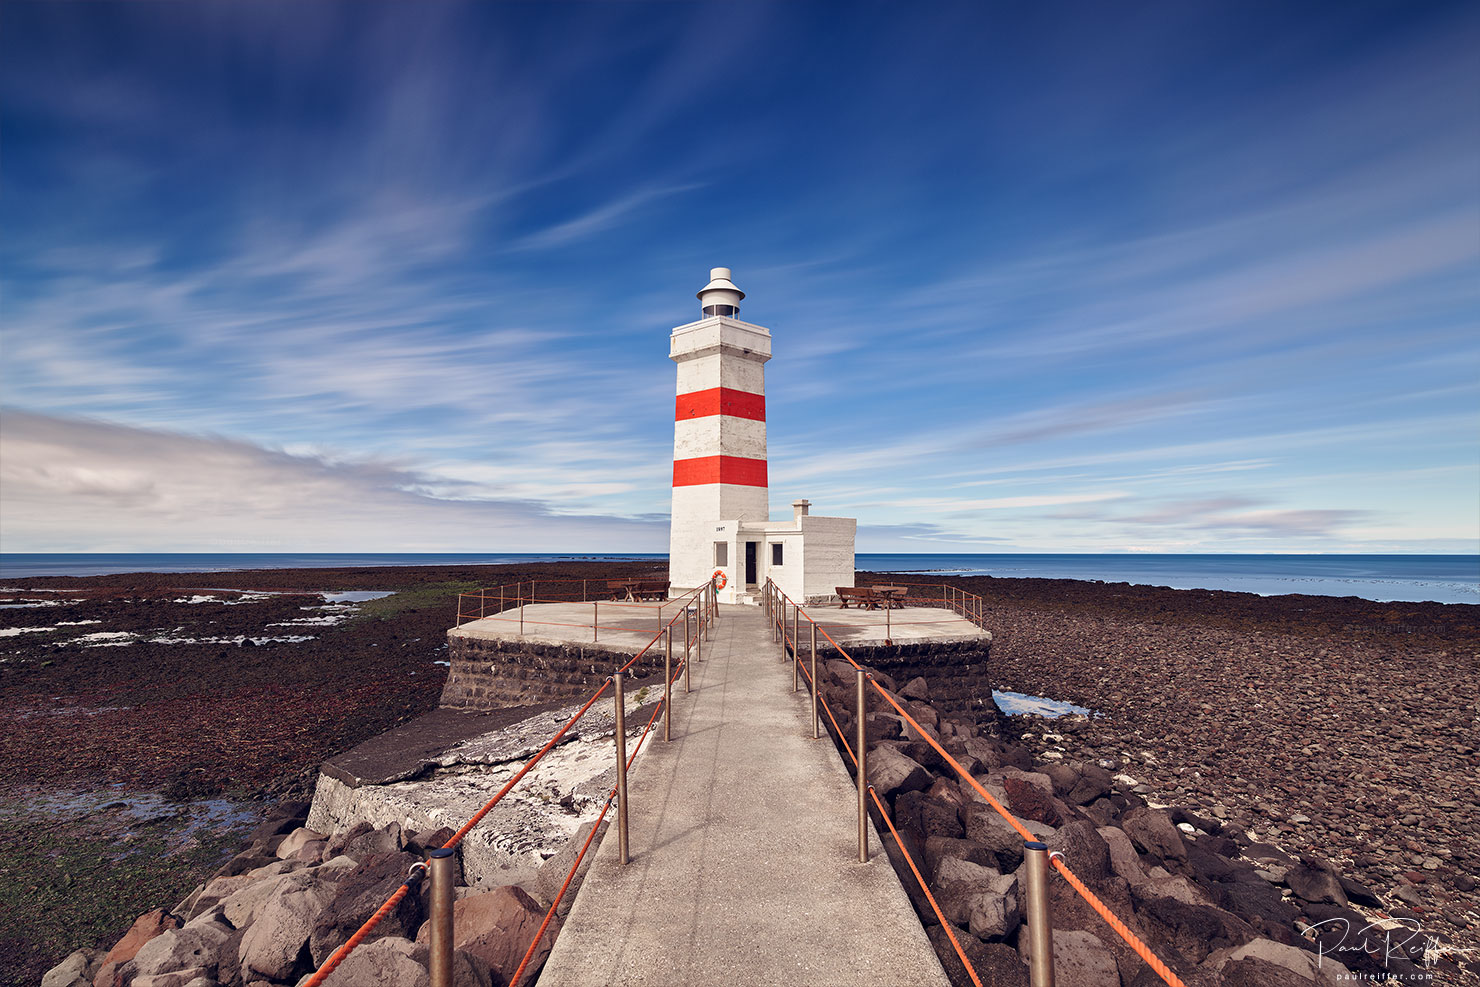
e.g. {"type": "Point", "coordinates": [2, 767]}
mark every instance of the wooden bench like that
{"type": "Point", "coordinates": [650, 589]}
{"type": "Point", "coordinates": [861, 596]}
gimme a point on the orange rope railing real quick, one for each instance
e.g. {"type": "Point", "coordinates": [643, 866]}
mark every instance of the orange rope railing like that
{"type": "Point", "coordinates": [576, 865]}
{"type": "Point", "coordinates": [339, 954]}
{"type": "Point", "coordinates": [924, 887]}
{"type": "Point", "coordinates": [1131, 939]}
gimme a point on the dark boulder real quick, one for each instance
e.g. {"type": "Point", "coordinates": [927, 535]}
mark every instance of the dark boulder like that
{"type": "Point", "coordinates": [1029, 801]}
{"type": "Point", "coordinates": [359, 894]}
{"type": "Point", "coordinates": [927, 816]}
{"type": "Point", "coordinates": [996, 965]}
{"type": "Point", "coordinates": [1151, 830]}
{"type": "Point", "coordinates": [1085, 851]}
{"type": "Point", "coordinates": [891, 772]}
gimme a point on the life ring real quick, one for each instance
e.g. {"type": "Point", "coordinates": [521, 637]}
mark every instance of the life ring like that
{"type": "Point", "coordinates": [720, 579]}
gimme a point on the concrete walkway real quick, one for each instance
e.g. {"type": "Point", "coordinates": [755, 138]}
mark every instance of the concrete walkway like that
{"type": "Point", "coordinates": [744, 848]}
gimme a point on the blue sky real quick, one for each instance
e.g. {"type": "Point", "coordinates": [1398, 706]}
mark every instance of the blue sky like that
{"type": "Point", "coordinates": [399, 277]}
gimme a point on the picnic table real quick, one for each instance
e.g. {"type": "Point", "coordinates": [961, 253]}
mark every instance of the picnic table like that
{"type": "Point", "coordinates": [891, 596]}
{"type": "Point", "coordinates": [862, 597]}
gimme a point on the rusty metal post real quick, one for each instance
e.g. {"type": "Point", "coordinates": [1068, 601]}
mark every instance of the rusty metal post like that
{"type": "Point", "coordinates": [862, 768]}
{"type": "Point", "coordinates": [440, 960]}
{"type": "Point", "coordinates": [500, 597]}
{"type": "Point", "coordinates": [668, 684]}
{"type": "Point", "coordinates": [698, 652]}
{"type": "Point", "coordinates": [621, 736]}
{"type": "Point", "coordinates": [595, 620]}
{"type": "Point", "coordinates": [482, 604]}
{"type": "Point", "coordinates": [815, 725]}
{"type": "Point", "coordinates": [583, 591]}
{"type": "Point", "coordinates": [1040, 929]}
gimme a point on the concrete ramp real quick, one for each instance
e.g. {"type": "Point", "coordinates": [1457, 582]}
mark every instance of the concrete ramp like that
{"type": "Point", "coordinates": [744, 848]}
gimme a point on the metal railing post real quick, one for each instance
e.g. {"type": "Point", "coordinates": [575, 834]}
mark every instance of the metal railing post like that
{"type": "Point", "coordinates": [482, 604]}
{"type": "Point", "coordinates": [862, 768]}
{"type": "Point", "coordinates": [796, 648]}
{"type": "Point", "coordinates": [668, 684]}
{"type": "Point", "coordinates": [500, 597]}
{"type": "Point", "coordinates": [595, 620]}
{"type": "Point", "coordinates": [815, 725]}
{"type": "Point", "coordinates": [698, 650]}
{"type": "Point", "coordinates": [621, 736]}
{"type": "Point", "coordinates": [1040, 931]}
{"type": "Point", "coordinates": [440, 961]}
{"type": "Point", "coordinates": [583, 591]}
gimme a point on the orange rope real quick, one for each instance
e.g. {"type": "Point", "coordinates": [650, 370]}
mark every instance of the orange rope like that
{"type": "Point", "coordinates": [364, 930]}
{"type": "Point", "coordinates": [1120, 927]}
{"type": "Point", "coordinates": [1125, 933]}
{"type": "Point", "coordinates": [959, 770]}
{"type": "Point", "coordinates": [354, 940]}
{"type": "Point", "coordinates": [528, 953]}
{"type": "Point", "coordinates": [478, 816]}
{"type": "Point", "coordinates": [923, 887]}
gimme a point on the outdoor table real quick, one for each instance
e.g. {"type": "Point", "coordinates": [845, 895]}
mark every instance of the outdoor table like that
{"type": "Point", "coordinates": [893, 596]}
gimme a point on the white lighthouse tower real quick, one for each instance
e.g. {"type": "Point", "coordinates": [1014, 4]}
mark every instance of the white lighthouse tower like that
{"type": "Point", "coordinates": [721, 523]}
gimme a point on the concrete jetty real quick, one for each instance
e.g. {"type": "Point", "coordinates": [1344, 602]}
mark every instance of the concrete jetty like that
{"type": "Point", "coordinates": [743, 849]}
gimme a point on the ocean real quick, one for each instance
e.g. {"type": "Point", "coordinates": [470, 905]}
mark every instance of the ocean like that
{"type": "Point", "coordinates": [1407, 578]}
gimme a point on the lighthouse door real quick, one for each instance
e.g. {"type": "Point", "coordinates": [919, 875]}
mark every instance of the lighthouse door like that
{"type": "Point", "coordinates": [750, 550]}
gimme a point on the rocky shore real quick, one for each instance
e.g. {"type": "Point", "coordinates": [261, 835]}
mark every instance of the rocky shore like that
{"type": "Point", "coordinates": [1333, 727]}
{"type": "Point", "coordinates": [1326, 747]}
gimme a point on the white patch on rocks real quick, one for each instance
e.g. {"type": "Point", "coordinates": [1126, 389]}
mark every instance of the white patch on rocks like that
{"type": "Point", "coordinates": [106, 639]}
{"type": "Point", "coordinates": [541, 814]}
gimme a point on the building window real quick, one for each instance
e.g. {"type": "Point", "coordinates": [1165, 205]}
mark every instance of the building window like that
{"type": "Point", "coordinates": [729, 310]}
{"type": "Point", "coordinates": [775, 553]}
{"type": "Point", "coordinates": [721, 553]}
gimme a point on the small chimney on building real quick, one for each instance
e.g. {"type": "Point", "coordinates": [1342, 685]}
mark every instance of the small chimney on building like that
{"type": "Point", "coordinates": [720, 296]}
{"type": "Point", "coordinates": [800, 508]}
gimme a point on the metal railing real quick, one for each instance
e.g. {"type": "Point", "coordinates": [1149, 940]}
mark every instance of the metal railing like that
{"type": "Point", "coordinates": [1037, 858]}
{"type": "Point", "coordinates": [492, 603]}
{"type": "Point", "coordinates": [698, 610]}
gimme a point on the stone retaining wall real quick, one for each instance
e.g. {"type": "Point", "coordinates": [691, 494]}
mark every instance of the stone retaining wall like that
{"type": "Point", "coordinates": [491, 674]}
{"type": "Point", "coordinates": [956, 671]}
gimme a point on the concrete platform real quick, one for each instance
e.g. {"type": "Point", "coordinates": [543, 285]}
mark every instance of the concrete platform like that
{"type": "Point", "coordinates": [623, 628]}
{"type": "Point", "coordinates": [744, 850]}
{"type": "Point", "coordinates": [907, 625]}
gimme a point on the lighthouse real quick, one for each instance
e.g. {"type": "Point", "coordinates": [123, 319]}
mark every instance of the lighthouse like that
{"type": "Point", "coordinates": [721, 525]}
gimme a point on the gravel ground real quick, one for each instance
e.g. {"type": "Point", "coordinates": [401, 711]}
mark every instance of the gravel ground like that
{"type": "Point", "coordinates": [1336, 726]}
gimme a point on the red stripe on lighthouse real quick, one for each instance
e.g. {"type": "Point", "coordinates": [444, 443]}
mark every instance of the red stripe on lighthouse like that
{"type": "Point", "coordinates": [719, 469]}
{"type": "Point", "coordinates": [720, 401]}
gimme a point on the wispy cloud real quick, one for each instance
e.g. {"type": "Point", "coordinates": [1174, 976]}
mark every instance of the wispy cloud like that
{"type": "Point", "coordinates": [68, 482]}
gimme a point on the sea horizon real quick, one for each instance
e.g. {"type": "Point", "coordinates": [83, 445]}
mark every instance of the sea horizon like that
{"type": "Point", "coordinates": [1437, 578]}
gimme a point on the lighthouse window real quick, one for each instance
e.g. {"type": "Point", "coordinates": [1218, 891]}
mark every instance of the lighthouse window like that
{"type": "Point", "coordinates": [775, 553]}
{"type": "Point", "coordinates": [721, 309]}
{"type": "Point", "coordinates": [721, 553]}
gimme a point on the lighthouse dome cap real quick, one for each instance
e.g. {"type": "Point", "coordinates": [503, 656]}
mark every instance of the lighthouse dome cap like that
{"type": "Point", "coordinates": [719, 280]}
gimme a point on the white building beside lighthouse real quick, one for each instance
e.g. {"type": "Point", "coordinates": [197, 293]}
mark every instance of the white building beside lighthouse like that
{"type": "Point", "coordinates": [721, 498]}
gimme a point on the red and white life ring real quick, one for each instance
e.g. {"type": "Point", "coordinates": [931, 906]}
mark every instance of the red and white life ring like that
{"type": "Point", "coordinates": [720, 579]}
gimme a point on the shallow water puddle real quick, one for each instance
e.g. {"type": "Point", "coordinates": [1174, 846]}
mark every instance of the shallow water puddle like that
{"type": "Point", "coordinates": [1022, 704]}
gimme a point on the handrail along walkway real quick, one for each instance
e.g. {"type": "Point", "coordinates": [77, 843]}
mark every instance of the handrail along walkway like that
{"type": "Point", "coordinates": [774, 598]}
{"type": "Point", "coordinates": [698, 604]}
